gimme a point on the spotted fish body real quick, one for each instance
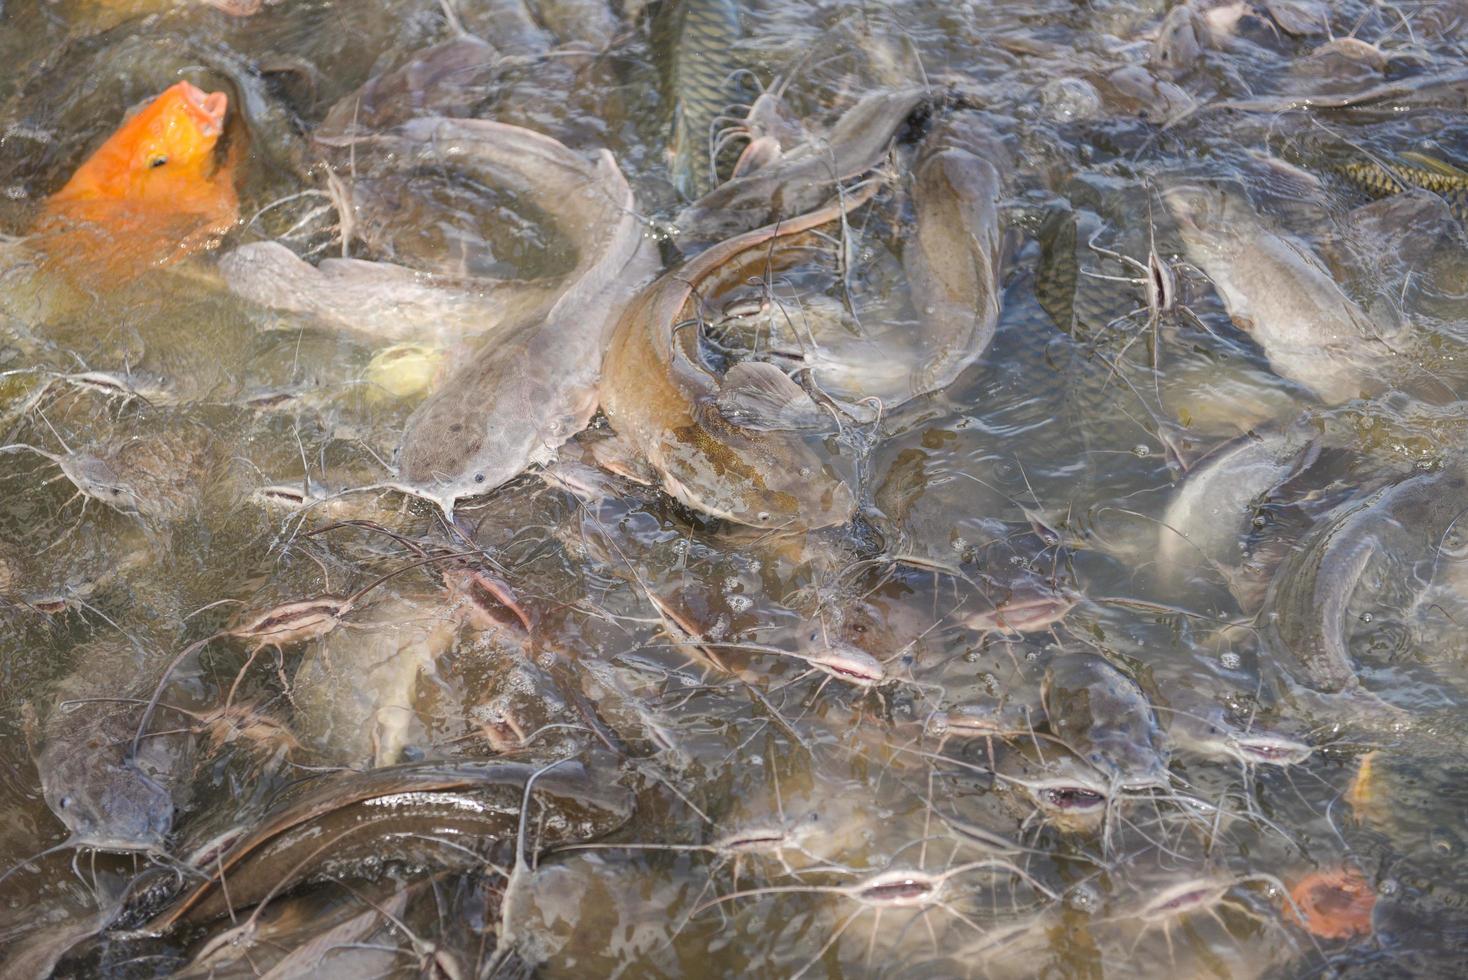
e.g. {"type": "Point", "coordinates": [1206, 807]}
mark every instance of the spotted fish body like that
{"type": "Point", "coordinates": [702, 61]}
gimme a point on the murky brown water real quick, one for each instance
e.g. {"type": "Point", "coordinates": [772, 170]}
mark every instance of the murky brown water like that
{"type": "Point", "coordinates": [1146, 623]}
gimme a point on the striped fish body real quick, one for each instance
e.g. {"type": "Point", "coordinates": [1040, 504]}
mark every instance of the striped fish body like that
{"type": "Point", "coordinates": [701, 62]}
{"type": "Point", "coordinates": [1380, 181]}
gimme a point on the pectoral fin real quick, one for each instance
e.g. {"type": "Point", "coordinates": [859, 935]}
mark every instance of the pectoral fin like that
{"type": "Point", "coordinates": [758, 395]}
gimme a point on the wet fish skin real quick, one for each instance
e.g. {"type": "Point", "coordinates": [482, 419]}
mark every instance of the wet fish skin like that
{"type": "Point", "coordinates": [1278, 290]}
{"type": "Point", "coordinates": [953, 263]}
{"type": "Point", "coordinates": [379, 299]}
{"type": "Point", "coordinates": [662, 399]}
{"type": "Point", "coordinates": [535, 386]}
{"type": "Point", "coordinates": [366, 810]}
{"type": "Point", "coordinates": [805, 177]}
{"type": "Point", "coordinates": [1103, 716]}
{"type": "Point", "coordinates": [1309, 594]}
{"type": "Point", "coordinates": [702, 63]}
{"type": "Point", "coordinates": [394, 302]}
{"type": "Point", "coordinates": [1208, 515]}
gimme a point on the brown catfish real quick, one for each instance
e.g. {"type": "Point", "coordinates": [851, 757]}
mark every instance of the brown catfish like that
{"type": "Point", "coordinates": [584, 201]}
{"type": "Point", "coordinates": [533, 387]}
{"type": "Point", "coordinates": [403, 811]}
{"type": "Point", "coordinates": [662, 398]}
{"type": "Point", "coordinates": [806, 176]}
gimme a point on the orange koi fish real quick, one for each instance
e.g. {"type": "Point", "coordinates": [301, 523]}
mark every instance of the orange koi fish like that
{"type": "Point", "coordinates": [151, 194]}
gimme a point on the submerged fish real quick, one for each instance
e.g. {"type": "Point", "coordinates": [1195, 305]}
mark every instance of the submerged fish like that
{"type": "Point", "coordinates": [447, 79]}
{"type": "Point", "coordinates": [666, 402]}
{"type": "Point", "coordinates": [108, 797]}
{"type": "Point", "coordinates": [1279, 292]}
{"type": "Point", "coordinates": [1311, 592]}
{"type": "Point", "coordinates": [702, 63]}
{"type": "Point", "coordinates": [1103, 716]}
{"type": "Point", "coordinates": [149, 195]}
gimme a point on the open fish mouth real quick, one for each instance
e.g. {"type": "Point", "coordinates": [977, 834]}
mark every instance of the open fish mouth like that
{"type": "Point", "coordinates": [208, 108]}
{"type": "Point", "coordinates": [1071, 798]}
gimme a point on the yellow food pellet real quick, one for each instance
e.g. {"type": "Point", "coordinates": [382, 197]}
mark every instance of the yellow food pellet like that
{"type": "Point", "coordinates": [403, 370]}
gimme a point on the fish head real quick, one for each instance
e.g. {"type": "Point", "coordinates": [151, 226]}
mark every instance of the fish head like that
{"type": "Point", "coordinates": [760, 479]}
{"type": "Point", "coordinates": [1212, 217]}
{"type": "Point", "coordinates": [455, 447]}
{"type": "Point", "coordinates": [98, 479]}
{"type": "Point", "coordinates": [112, 806]}
{"type": "Point", "coordinates": [158, 153]}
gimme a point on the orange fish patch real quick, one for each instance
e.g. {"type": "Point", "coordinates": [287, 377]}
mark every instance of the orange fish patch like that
{"type": "Point", "coordinates": [1336, 904]}
{"type": "Point", "coordinates": [152, 193]}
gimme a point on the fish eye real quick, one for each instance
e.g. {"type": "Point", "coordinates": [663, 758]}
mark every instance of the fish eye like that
{"type": "Point", "coordinates": [158, 160]}
{"type": "Point", "coordinates": [64, 803]}
{"type": "Point", "coordinates": [478, 477]}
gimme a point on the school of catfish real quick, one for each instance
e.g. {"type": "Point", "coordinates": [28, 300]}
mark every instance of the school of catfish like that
{"type": "Point", "coordinates": [733, 487]}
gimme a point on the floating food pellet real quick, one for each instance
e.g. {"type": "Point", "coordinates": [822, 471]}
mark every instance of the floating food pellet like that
{"type": "Point", "coordinates": [403, 370]}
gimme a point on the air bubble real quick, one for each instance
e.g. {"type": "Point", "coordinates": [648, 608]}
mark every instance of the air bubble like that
{"type": "Point", "coordinates": [1083, 898]}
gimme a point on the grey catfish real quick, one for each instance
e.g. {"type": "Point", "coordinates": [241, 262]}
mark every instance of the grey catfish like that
{"type": "Point", "coordinates": [805, 177]}
{"type": "Point", "coordinates": [664, 400]}
{"type": "Point", "coordinates": [1278, 290]}
{"type": "Point", "coordinates": [1206, 521]}
{"type": "Point", "coordinates": [446, 79]}
{"type": "Point", "coordinates": [534, 386]}
{"type": "Point", "coordinates": [1102, 715]}
{"type": "Point", "coordinates": [394, 302]}
{"type": "Point", "coordinates": [953, 261]}
{"type": "Point", "coordinates": [106, 797]}
{"type": "Point", "coordinates": [1310, 593]}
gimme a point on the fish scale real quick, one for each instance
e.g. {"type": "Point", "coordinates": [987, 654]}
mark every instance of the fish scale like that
{"type": "Point", "coordinates": [702, 62]}
{"type": "Point", "coordinates": [1380, 181]}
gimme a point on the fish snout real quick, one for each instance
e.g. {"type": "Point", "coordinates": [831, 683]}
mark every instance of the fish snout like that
{"type": "Point", "coordinates": [208, 107]}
